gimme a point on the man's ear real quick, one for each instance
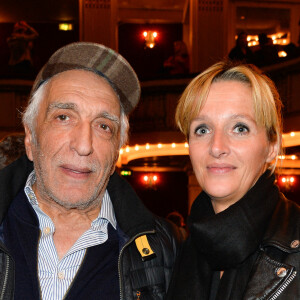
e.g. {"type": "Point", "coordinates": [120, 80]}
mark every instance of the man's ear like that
{"type": "Point", "coordinates": [28, 141]}
{"type": "Point", "coordinates": [114, 164]}
{"type": "Point", "coordinates": [112, 169]}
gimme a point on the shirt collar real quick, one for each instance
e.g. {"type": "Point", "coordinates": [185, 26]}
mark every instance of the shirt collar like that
{"type": "Point", "coordinates": [106, 211]}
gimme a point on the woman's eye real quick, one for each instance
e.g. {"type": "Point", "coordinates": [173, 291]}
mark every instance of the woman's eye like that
{"type": "Point", "coordinates": [241, 128]}
{"type": "Point", "coordinates": [201, 130]}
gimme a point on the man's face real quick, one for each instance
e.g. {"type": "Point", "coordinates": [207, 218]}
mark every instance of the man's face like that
{"type": "Point", "coordinates": [77, 139]}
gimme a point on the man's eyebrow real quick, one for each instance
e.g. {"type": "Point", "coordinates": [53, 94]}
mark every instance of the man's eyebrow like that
{"type": "Point", "coordinates": [61, 105]}
{"type": "Point", "coordinates": [70, 105]}
{"type": "Point", "coordinates": [109, 116]}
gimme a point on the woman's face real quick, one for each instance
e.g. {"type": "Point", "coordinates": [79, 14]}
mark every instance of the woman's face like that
{"type": "Point", "coordinates": [228, 150]}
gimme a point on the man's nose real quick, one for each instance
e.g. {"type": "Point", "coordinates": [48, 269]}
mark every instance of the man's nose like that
{"type": "Point", "coordinates": [82, 139]}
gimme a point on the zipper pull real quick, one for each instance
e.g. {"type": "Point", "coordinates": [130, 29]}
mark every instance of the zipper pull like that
{"type": "Point", "coordinates": [138, 293]}
{"type": "Point", "coordinates": [144, 248]}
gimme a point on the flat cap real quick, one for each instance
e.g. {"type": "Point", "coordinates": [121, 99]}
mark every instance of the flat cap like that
{"type": "Point", "coordinates": [99, 59]}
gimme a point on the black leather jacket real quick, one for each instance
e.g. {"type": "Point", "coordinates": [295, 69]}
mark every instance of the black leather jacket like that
{"type": "Point", "coordinates": [276, 272]}
{"type": "Point", "coordinates": [139, 279]}
{"type": "Point", "coordinates": [274, 267]}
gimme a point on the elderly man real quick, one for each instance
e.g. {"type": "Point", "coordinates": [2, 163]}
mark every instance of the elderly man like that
{"type": "Point", "coordinates": [71, 227]}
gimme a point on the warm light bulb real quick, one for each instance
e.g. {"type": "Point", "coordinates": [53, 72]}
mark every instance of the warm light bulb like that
{"type": "Point", "coordinates": [145, 178]}
{"type": "Point", "coordinates": [136, 148]}
{"type": "Point", "coordinates": [282, 54]}
{"type": "Point", "coordinates": [159, 145]}
{"type": "Point", "coordinates": [65, 26]}
{"type": "Point", "coordinates": [173, 145]}
{"type": "Point", "coordinates": [292, 179]}
{"type": "Point", "coordinates": [155, 34]}
{"type": "Point", "coordinates": [145, 33]}
{"type": "Point", "coordinates": [154, 177]}
{"type": "Point", "coordinates": [147, 146]}
{"type": "Point", "coordinates": [292, 133]}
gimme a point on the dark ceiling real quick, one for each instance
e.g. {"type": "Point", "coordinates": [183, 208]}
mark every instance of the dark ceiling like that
{"type": "Point", "coordinates": [36, 11]}
{"type": "Point", "coordinates": [251, 19]}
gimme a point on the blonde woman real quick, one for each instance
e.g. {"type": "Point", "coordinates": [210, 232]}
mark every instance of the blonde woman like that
{"type": "Point", "coordinates": [244, 234]}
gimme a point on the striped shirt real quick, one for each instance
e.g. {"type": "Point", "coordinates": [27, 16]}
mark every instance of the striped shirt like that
{"type": "Point", "coordinates": [56, 276]}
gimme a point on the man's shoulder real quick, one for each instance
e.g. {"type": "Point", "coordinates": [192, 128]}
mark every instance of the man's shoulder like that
{"type": "Point", "coordinates": [21, 167]}
{"type": "Point", "coordinates": [12, 180]}
{"type": "Point", "coordinates": [168, 229]}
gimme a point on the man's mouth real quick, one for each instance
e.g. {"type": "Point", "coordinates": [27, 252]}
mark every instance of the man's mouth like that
{"type": "Point", "coordinates": [76, 171]}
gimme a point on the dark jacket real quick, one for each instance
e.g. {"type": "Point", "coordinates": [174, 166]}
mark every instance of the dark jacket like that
{"type": "Point", "coordinates": [138, 278]}
{"type": "Point", "coordinates": [268, 271]}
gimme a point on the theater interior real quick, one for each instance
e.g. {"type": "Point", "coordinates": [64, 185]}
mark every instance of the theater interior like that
{"type": "Point", "coordinates": [155, 160]}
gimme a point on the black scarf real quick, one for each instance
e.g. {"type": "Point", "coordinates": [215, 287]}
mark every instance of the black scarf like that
{"type": "Point", "coordinates": [226, 241]}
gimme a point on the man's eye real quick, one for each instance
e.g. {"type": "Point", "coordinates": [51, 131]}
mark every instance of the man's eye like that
{"type": "Point", "coordinates": [105, 127]}
{"type": "Point", "coordinates": [241, 128]}
{"type": "Point", "coordinates": [63, 117]}
{"type": "Point", "coordinates": [201, 130]}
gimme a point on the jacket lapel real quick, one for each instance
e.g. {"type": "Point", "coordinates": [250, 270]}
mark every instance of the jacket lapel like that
{"type": "Point", "coordinates": [267, 278]}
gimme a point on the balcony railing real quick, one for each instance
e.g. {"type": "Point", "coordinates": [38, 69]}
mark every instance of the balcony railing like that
{"type": "Point", "coordinates": [153, 119]}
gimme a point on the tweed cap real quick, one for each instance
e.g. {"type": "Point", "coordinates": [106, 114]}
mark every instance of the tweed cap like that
{"type": "Point", "coordinates": [99, 59]}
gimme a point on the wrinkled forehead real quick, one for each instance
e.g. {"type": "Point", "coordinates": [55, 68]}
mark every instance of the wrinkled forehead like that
{"type": "Point", "coordinates": [79, 85]}
{"type": "Point", "coordinates": [85, 77]}
{"type": "Point", "coordinates": [82, 79]}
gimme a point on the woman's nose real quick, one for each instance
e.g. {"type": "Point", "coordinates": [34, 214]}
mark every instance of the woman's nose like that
{"type": "Point", "coordinates": [219, 144]}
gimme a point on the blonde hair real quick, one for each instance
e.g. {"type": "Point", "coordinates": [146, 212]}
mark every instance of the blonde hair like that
{"type": "Point", "coordinates": [266, 100]}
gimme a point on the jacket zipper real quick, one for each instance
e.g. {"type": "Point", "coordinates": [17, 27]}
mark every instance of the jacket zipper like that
{"type": "Point", "coordinates": [138, 294]}
{"type": "Point", "coordinates": [5, 279]}
{"type": "Point", "coordinates": [121, 252]}
{"type": "Point", "coordinates": [284, 286]}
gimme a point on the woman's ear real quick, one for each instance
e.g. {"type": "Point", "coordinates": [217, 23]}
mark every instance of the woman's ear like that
{"type": "Point", "coordinates": [272, 152]}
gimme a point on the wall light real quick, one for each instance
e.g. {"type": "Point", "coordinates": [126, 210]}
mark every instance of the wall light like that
{"type": "Point", "coordinates": [150, 180]}
{"type": "Point", "coordinates": [65, 26]}
{"type": "Point", "coordinates": [150, 37]}
{"type": "Point", "coordinates": [287, 182]}
{"type": "Point", "coordinates": [282, 54]}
